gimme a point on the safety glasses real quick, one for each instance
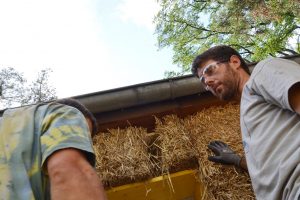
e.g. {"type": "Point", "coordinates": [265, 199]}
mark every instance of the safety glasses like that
{"type": "Point", "coordinates": [209, 70]}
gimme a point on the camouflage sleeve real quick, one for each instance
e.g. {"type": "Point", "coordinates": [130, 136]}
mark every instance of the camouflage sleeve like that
{"type": "Point", "coordinates": [65, 127]}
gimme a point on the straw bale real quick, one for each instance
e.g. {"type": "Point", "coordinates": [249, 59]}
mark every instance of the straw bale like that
{"type": "Point", "coordinates": [122, 156]}
{"type": "Point", "coordinates": [176, 150]}
{"type": "Point", "coordinates": [219, 123]}
{"type": "Point", "coordinates": [132, 155]}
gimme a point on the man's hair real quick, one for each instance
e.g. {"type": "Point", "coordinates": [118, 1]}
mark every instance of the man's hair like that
{"type": "Point", "coordinates": [217, 53]}
{"type": "Point", "coordinates": [76, 104]}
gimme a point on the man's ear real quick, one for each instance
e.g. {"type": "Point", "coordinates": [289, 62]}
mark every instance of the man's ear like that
{"type": "Point", "coordinates": [235, 61]}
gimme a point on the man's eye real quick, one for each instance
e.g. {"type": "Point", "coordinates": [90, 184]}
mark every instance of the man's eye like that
{"type": "Point", "coordinates": [209, 70]}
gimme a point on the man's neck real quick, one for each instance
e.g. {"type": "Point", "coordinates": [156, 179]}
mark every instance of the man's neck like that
{"type": "Point", "coordinates": [244, 77]}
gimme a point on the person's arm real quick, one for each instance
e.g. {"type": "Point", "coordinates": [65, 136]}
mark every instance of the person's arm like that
{"type": "Point", "coordinates": [243, 163]}
{"type": "Point", "coordinates": [294, 97]}
{"type": "Point", "coordinates": [225, 155]}
{"type": "Point", "coordinates": [72, 176]}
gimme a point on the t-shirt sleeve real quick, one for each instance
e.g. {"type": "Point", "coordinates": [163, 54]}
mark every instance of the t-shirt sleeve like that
{"type": "Point", "coordinates": [65, 127]}
{"type": "Point", "coordinates": [273, 78]}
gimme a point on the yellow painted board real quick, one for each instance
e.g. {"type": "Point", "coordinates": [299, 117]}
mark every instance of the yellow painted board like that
{"type": "Point", "coordinates": [178, 186]}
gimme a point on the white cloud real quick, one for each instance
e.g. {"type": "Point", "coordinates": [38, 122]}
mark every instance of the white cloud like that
{"type": "Point", "coordinates": [68, 37]}
{"type": "Point", "coordinates": [62, 35]}
{"type": "Point", "coordinates": [140, 12]}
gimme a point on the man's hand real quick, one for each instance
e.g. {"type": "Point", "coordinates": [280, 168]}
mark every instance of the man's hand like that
{"type": "Point", "coordinates": [223, 154]}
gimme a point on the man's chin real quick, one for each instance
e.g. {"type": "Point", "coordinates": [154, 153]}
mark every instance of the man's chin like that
{"type": "Point", "coordinates": [225, 96]}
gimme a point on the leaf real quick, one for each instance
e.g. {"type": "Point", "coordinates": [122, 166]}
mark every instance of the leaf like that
{"type": "Point", "coordinates": [256, 28]}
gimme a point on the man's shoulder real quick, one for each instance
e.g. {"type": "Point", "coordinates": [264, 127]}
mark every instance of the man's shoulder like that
{"type": "Point", "coordinates": [41, 111]}
{"type": "Point", "coordinates": [265, 62]}
{"type": "Point", "coordinates": [35, 109]}
{"type": "Point", "coordinates": [57, 108]}
{"type": "Point", "coordinates": [272, 62]}
{"type": "Point", "coordinates": [23, 110]}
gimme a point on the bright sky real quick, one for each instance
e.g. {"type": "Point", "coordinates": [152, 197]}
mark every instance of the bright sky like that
{"type": "Point", "coordinates": [91, 45]}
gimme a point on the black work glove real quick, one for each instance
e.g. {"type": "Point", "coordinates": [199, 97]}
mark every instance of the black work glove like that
{"type": "Point", "coordinates": [223, 154]}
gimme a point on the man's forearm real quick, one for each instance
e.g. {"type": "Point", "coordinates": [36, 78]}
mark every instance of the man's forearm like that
{"type": "Point", "coordinates": [294, 97]}
{"type": "Point", "coordinates": [72, 177]}
{"type": "Point", "coordinates": [76, 184]}
{"type": "Point", "coordinates": [243, 163]}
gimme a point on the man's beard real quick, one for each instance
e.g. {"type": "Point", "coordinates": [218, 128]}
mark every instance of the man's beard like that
{"type": "Point", "coordinates": [227, 95]}
{"type": "Point", "coordinates": [229, 86]}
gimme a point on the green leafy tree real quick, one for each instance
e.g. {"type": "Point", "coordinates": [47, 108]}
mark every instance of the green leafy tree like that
{"type": "Point", "coordinates": [14, 90]}
{"type": "Point", "coordinates": [256, 28]}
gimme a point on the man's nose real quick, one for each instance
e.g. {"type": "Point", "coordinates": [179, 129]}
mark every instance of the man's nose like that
{"type": "Point", "coordinates": [208, 80]}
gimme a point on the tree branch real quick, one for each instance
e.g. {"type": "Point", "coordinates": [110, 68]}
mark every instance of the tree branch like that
{"type": "Point", "coordinates": [282, 53]}
{"type": "Point", "coordinates": [291, 51]}
{"type": "Point", "coordinates": [200, 28]}
{"type": "Point", "coordinates": [200, 1]}
{"type": "Point", "coordinates": [244, 48]}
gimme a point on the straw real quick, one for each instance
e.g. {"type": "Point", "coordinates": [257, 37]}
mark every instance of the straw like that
{"type": "Point", "coordinates": [122, 156]}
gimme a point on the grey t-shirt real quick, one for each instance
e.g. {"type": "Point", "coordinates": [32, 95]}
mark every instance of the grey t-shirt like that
{"type": "Point", "coordinates": [271, 130]}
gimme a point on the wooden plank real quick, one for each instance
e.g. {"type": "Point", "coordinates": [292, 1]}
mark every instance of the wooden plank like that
{"type": "Point", "coordinates": [178, 186]}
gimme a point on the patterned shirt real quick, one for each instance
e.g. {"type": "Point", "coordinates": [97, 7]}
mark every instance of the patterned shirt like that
{"type": "Point", "coordinates": [28, 136]}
